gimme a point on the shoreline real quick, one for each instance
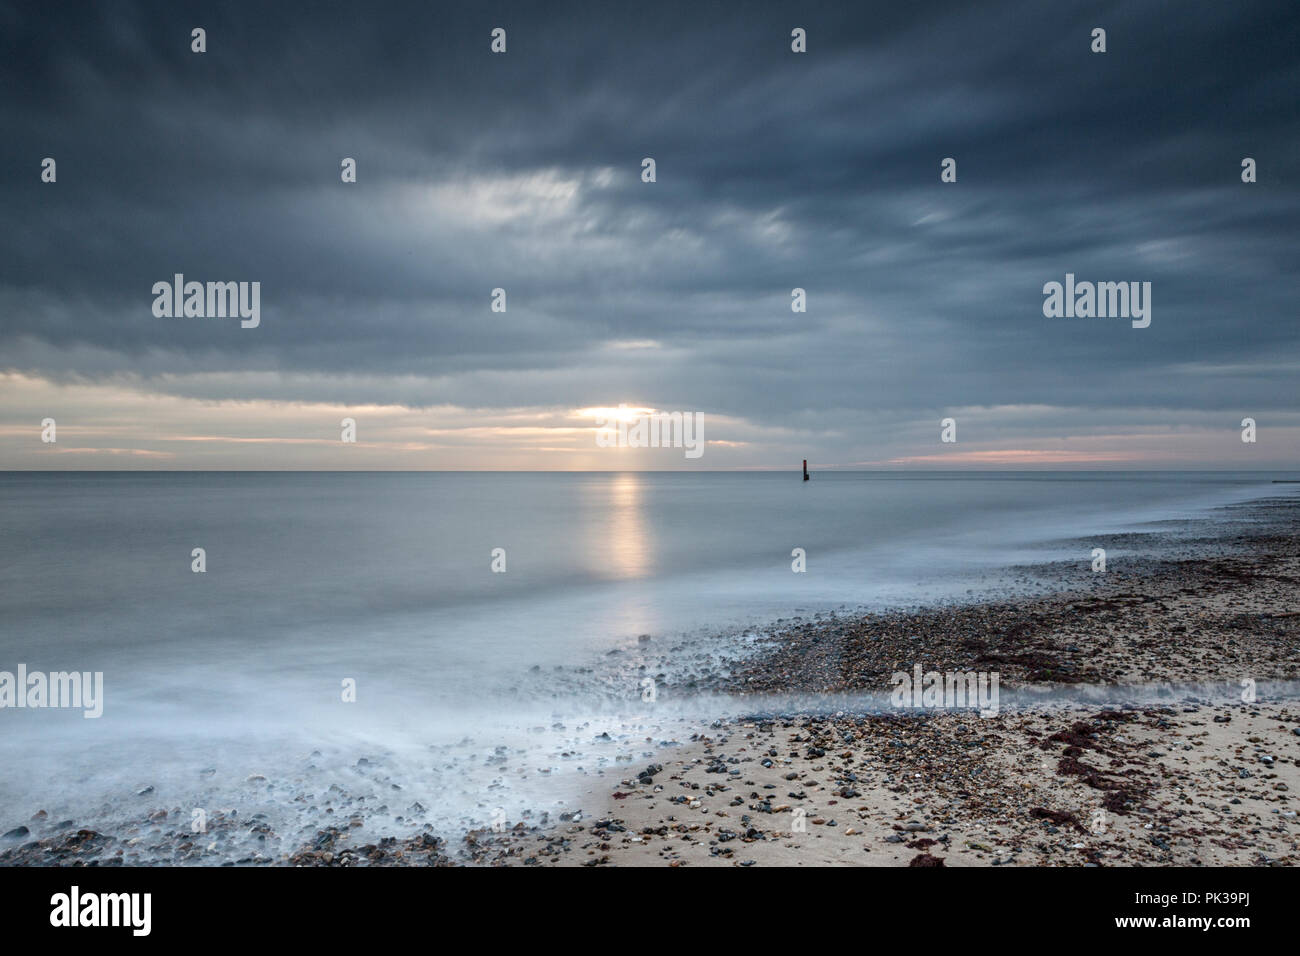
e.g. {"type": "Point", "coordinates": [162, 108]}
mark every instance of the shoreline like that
{"type": "Point", "coordinates": [1181, 780]}
{"type": "Point", "coordinates": [1198, 781]}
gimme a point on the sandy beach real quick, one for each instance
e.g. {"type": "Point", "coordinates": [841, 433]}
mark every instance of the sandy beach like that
{"type": "Point", "coordinates": [1163, 786]}
{"type": "Point", "coordinates": [1206, 780]}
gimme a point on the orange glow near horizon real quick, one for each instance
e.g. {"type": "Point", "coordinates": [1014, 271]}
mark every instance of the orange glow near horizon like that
{"type": "Point", "coordinates": [1017, 456]}
{"type": "Point", "coordinates": [126, 425]}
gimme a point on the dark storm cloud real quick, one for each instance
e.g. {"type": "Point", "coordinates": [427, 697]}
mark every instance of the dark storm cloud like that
{"type": "Point", "coordinates": [775, 170]}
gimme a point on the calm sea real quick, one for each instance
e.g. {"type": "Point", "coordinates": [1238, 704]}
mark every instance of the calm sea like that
{"type": "Point", "coordinates": [387, 580]}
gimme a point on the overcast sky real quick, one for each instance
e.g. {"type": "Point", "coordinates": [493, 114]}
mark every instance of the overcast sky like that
{"type": "Point", "coordinates": [774, 170]}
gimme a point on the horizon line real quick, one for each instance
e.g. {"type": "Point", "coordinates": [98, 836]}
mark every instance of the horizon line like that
{"type": "Point", "coordinates": [825, 469]}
